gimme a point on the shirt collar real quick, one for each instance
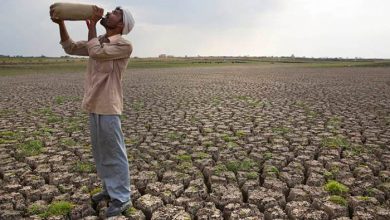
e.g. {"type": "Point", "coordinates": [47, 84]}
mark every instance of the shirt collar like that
{"type": "Point", "coordinates": [114, 38]}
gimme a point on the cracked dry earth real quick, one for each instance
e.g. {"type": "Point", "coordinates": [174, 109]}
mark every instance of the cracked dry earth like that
{"type": "Point", "coordinates": [247, 142]}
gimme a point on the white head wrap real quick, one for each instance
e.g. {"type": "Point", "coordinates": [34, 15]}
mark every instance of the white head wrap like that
{"type": "Point", "coordinates": [128, 21]}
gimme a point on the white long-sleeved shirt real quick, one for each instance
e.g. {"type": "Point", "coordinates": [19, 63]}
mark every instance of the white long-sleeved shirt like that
{"type": "Point", "coordinates": [107, 62]}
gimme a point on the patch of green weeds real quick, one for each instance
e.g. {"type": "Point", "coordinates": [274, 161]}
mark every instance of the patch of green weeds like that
{"type": "Point", "coordinates": [338, 200]}
{"type": "Point", "coordinates": [245, 165]}
{"type": "Point", "coordinates": [175, 136]}
{"type": "Point", "coordinates": [183, 157]}
{"type": "Point", "coordinates": [208, 143]}
{"type": "Point", "coordinates": [53, 119]}
{"type": "Point", "coordinates": [335, 142]}
{"type": "Point", "coordinates": [219, 169]}
{"type": "Point", "coordinates": [240, 133]}
{"type": "Point", "coordinates": [336, 188]}
{"type": "Point", "coordinates": [334, 121]}
{"type": "Point", "coordinates": [95, 191]}
{"type": "Point", "coordinates": [36, 209]}
{"type": "Point", "coordinates": [201, 155]}
{"type": "Point", "coordinates": [59, 100]}
{"type": "Point", "coordinates": [137, 105]}
{"type": "Point", "coordinates": [227, 138]}
{"type": "Point", "coordinates": [272, 169]}
{"type": "Point", "coordinates": [215, 101]}
{"type": "Point", "coordinates": [252, 175]}
{"type": "Point", "coordinates": [231, 144]}
{"type": "Point", "coordinates": [208, 130]}
{"type": "Point", "coordinates": [31, 148]}
{"type": "Point", "coordinates": [184, 166]}
{"type": "Point", "coordinates": [71, 126]}
{"type": "Point", "coordinates": [252, 102]}
{"type": "Point", "coordinates": [84, 167]}
{"type": "Point", "coordinates": [10, 136]}
{"type": "Point", "coordinates": [130, 211]}
{"type": "Point", "coordinates": [363, 198]}
{"type": "Point", "coordinates": [58, 208]}
{"type": "Point", "coordinates": [46, 111]}
{"type": "Point", "coordinates": [132, 141]}
{"type": "Point", "coordinates": [268, 155]}
{"type": "Point", "coordinates": [68, 142]}
{"type": "Point", "coordinates": [281, 130]}
{"type": "Point", "coordinates": [356, 149]}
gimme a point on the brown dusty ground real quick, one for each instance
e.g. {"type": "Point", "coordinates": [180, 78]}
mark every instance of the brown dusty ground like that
{"type": "Point", "coordinates": [242, 142]}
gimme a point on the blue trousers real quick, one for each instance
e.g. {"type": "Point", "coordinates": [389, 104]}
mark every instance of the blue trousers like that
{"type": "Point", "coordinates": [109, 153]}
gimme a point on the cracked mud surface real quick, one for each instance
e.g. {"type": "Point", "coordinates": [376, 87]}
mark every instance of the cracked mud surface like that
{"type": "Point", "coordinates": [206, 143]}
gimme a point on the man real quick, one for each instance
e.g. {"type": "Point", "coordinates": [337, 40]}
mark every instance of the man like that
{"type": "Point", "coordinates": [103, 99]}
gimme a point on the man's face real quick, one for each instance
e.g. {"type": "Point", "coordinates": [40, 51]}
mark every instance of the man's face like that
{"type": "Point", "coordinates": [112, 19]}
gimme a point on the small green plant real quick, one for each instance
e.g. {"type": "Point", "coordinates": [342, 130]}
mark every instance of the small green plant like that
{"type": "Point", "coordinates": [130, 211]}
{"type": "Point", "coordinates": [336, 188]}
{"type": "Point", "coordinates": [245, 165]}
{"type": "Point", "coordinates": [208, 143]}
{"type": "Point", "coordinates": [32, 148]}
{"type": "Point", "coordinates": [183, 157]}
{"type": "Point", "coordinates": [36, 209]}
{"type": "Point", "coordinates": [201, 155]}
{"type": "Point", "coordinates": [281, 130]}
{"type": "Point", "coordinates": [231, 144]}
{"type": "Point", "coordinates": [46, 111]}
{"type": "Point", "coordinates": [356, 149]}
{"type": "Point", "coordinates": [216, 101]}
{"type": "Point", "coordinates": [194, 119]}
{"type": "Point", "coordinates": [132, 141]}
{"type": "Point", "coordinates": [387, 120]}
{"type": "Point", "coordinates": [59, 100]}
{"type": "Point", "coordinates": [328, 175]}
{"type": "Point", "coordinates": [84, 189]}
{"type": "Point", "coordinates": [338, 200]}
{"type": "Point", "coordinates": [58, 208]}
{"type": "Point", "coordinates": [311, 113]}
{"type": "Point", "coordinates": [53, 119]}
{"type": "Point", "coordinates": [208, 130]}
{"type": "Point", "coordinates": [175, 136]}
{"type": "Point", "coordinates": [137, 105]}
{"type": "Point", "coordinates": [95, 191]}
{"type": "Point", "coordinates": [72, 126]}
{"type": "Point", "coordinates": [233, 166]}
{"type": "Point", "coordinates": [227, 138]}
{"type": "Point", "coordinates": [334, 121]}
{"type": "Point", "coordinates": [123, 117]}
{"type": "Point", "coordinates": [68, 142]}
{"type": "Point", "coordinates": [370, 191]}
{"type": "Point", "coordinates": [240, 133]}
{"type": "Point", "coordinates": [184, 166]}
{"type": "Point", "coordinates": [252, 175]}
{"type": "Point", "coordinates": [252, 102]}
{"type": "Point", "coordinates": [300, 103]}
{"type": "Point", "coordinates": [219, 169]}
{"type": "Point", "coordinates": [8, 134]}
{"type": "Point", "coordinates": [84, 167]}
{"type": "Point", "coordinates": [272, 169]}
{"type": "Point", "coordinates": [335, 142]}
{"type": "Point", "coordinates": [268, 155]}
{"type": "Point", "coordinates": [363, 198]}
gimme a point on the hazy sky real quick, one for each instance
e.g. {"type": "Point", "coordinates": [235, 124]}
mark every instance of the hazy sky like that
{"type": "Point", "coordinates": [318, 28]}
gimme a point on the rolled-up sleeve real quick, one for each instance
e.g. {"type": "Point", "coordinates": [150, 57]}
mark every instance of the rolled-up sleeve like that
{"type": "Point", "coordinates": [109, 51]}
{"type": "Point", "coordinates": [75, 48]}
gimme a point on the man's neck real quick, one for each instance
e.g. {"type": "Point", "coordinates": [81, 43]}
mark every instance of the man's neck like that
{"type": "Point", "coordinates": [110, 33]}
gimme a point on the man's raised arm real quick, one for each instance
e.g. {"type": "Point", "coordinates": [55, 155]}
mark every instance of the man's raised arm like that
{"type": "Point", "coordinates": [70, 47]}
